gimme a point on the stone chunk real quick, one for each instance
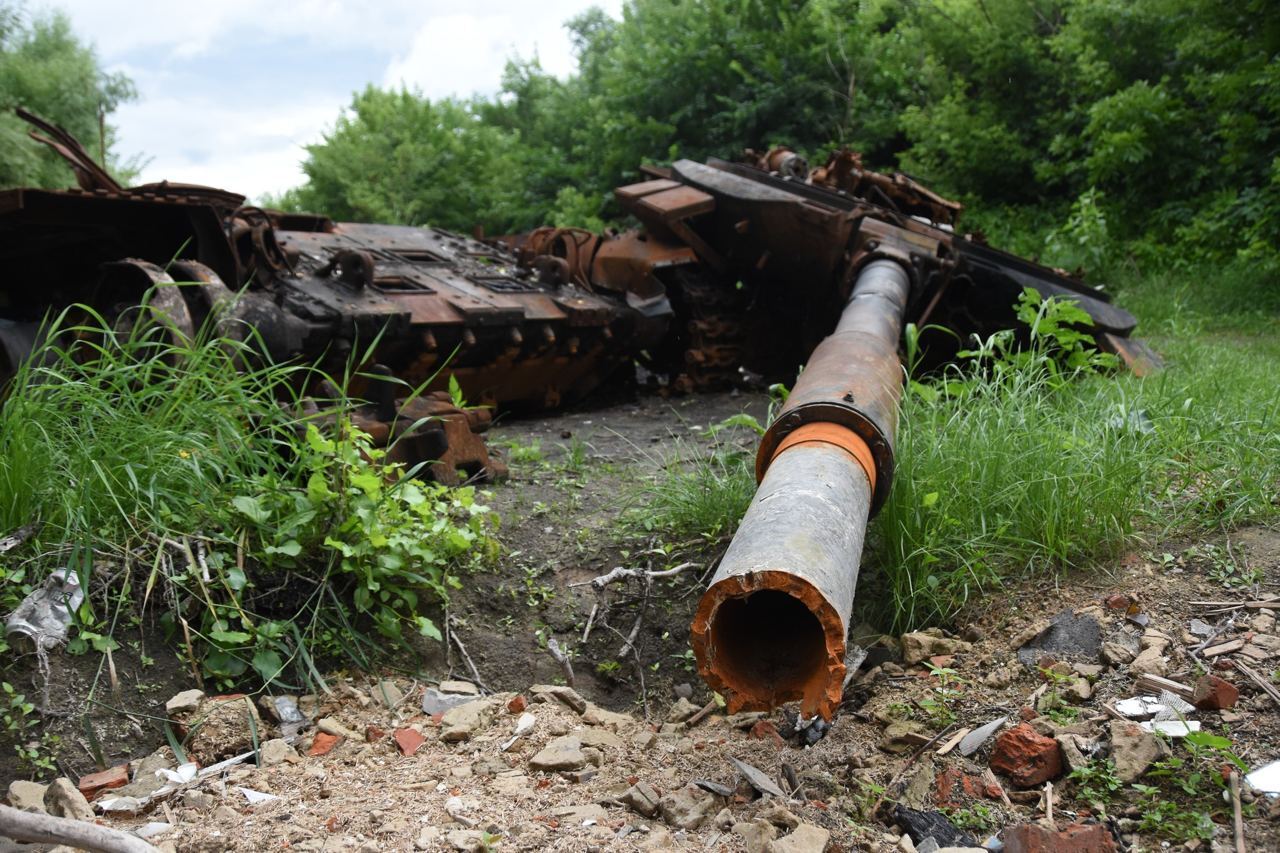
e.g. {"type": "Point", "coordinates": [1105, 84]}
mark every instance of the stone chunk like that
{"type": "Point", "coordinates": [578, 815]}
{"type": "Point", "coordinates": [1069, 634]}
{"type": "Point", "coordinates": [597, 716]}
{"type": "Point", "coordinates": [563, 753]}
{"type": "Point", "coordinates": [599, 739]}
{"type": "Point", "coordinates": [1026, 756]}
{"type": "Point", "coordinates": [183, 703]}
{"type": "Point", "coordinates": [902, 736]}
{"type": "Point", "coordinates": [1076, 838]}
{"type": "Point", "coordinates": [922, 645]}
{"type": "Point", "coordinates": [1151, 661]}
{"type": "Point", "coordinates": [63, 799]}
{"type": "Point", "coordinates": [462, 722]}
{"type": "Point", "coordinates": [27, 796]}
{"type": "Point", "coordinates": [755, 834]}
{"type": "Point", "coordinates": [689, 807]}
{"type": "Point", "coordinates": [461, 687]}
{"type": "Point", "coordinates": [560, 693]}
{"type": "Point", "coordinates": [1134, 750]}
{"type": "Point", "coordinates": [1117, 654]}
{"type": "Point", "coordinates": [93, 784]}
{"type": "Point", "coordinates": [388, 693]}
{"type": "Point", "coordinates": [1212, 693]}
{"type": "Point", "coordinates": [805, 838]}
{"type": "Point", "coordinates": [641, 798]}
{"type": "Point", "coordinates": [682, 710]}
{"type": "Point", "coordinates": [277, 751]}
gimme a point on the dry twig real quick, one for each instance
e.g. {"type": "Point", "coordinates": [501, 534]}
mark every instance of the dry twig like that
{"type": "Point", "coordinates": [1237, 813]}
{"type": "Point", "coordinates": [46, 829]}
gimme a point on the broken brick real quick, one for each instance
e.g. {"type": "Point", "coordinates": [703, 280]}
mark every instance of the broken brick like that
{"type": "Point", "coordinates": [409, 741]}
{"type": "Point", "coordinates": [372, 734]}
{"type": "Point", "coordinates": [1076, 838]}
{"type": "Point", "coordinates": [954, 786]}
{"type": "Point", "coordinates": [1212, 693]}
{"type": "Point", "coordinates": [765, 730]}
{"type": "Point", "coordinates": [1026, 756]}
{"type": "Point", "coordinates": [95, 783]}
{"type": "Point", "coordinates": [517, 704]}
{"type": "Point", "coordinates": [322, 744]}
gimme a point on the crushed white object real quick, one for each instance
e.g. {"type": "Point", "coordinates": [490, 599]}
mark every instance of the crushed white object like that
{"type": "Point", "coordinates": [1265, 779]}
{"type": "Point", "coordinates": [1171, 728]}
{"type": "Point", "coordinates": [124, 805]}
{"type": "Point", "coordinates": [182, 775]}
{"type": "Point", "coordinates": [1166, 706]}
{"type": "Point", "coordinates": [44, 615]}
{"type": "Point", "coordinates": [152, 829]}
{"type": "Point", "coordinates": [255, 797]}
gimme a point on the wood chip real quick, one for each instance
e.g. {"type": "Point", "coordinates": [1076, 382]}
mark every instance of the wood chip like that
{"type": "Point", "coordinates": [1224, 648]}
{"type": "Point", "coordinates": [954, 742]}
{"type": "Point", "coordinates": [1155, 685]}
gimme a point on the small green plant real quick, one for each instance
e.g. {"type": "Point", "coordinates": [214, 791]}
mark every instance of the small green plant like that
{"type": "Point", "coordinates": [18, 719]}
{"type": "Point", "coordinates": [609, 669]}
{"type": "Point", "coordinates": [977, 818]}
{"type": "Point", "coordinates": [521, 453]}
{"type": "Point", "coordinates": [1221, 566]}
{"type": "Point", "coordinates": [1096, 781]}
{"type": "Point", "coordinates": [939, 706]}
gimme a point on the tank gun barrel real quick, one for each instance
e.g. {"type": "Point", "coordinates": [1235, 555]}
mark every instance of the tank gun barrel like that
{"type": "Point", "coordinates": [771, 627]}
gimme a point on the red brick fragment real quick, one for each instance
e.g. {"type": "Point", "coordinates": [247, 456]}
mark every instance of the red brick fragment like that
{"type": "Point", "coordinates": [1212, 693]}
{"type": "Point", "coordinates": [765, 730]}
{"type": "Point", "coordinates": [409, 741]}
{"type": "Point", "coordinates": [1076, 838]}
{"type": "Point", "coordinates": [373, 734]}
{"type": "Point", "coordinates": [517, 704]}
{"type": "Point", "coordinates": [942, 661]}
{"type": "Point", "coordinates": [93, 784]}
{"type": "Point", "coordinates": [322, 744]}
{"type": "Point", "coordinates": [1119, 601]}
{"type": "Point", "coordinates": [1027, 713]}
{"type": "Point", "coordinates": [1026, 756]}
{"type": "Point", "coordinates": [954, 787]}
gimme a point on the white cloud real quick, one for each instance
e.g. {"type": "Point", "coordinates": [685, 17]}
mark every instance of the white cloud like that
{"type": "Point", "coordinates": [230, 91]}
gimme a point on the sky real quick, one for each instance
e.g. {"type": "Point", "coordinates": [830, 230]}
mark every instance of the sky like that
{"type": "Point", "coordinates": [229, 91]}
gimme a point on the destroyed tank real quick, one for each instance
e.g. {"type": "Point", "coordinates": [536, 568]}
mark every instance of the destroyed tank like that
{"type": "Point", "coordinates": [737, 271]}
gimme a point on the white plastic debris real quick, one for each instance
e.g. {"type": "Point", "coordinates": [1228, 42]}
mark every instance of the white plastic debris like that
{"type": "Point", "coordinates": [523, 726]}
{"type": "Point", "coordinates": [1171, 728]}
{"type": "Point", "coordinates": [44, 615]}
{"type": "Point", "coordinates": [119, 805]}
{"type": "Point", "coordinates": [1265, 779]}
{"type": "Point", "coordinates": [152, 829]}
{"type": "Point", "coordinates": [256, 797]}
{"type": "Point", "coordinates": [1166, 706]}
{"type": "Point", "coordinates": [180, 776]}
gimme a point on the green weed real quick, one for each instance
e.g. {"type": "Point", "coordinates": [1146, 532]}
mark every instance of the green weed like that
{"type": "Point", "coordinates": [191, 466]}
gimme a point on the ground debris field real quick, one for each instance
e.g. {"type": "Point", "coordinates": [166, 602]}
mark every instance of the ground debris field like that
{"type": "Point", "coordinates": [1011, 732]}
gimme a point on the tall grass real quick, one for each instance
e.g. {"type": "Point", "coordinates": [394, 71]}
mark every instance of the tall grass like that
{"type": "Point", "coordinates": [1023, 473]}
{"type": "Point", "coordinates": [108, 438]}
{"type": "Point", "coordinates": [193, 470]}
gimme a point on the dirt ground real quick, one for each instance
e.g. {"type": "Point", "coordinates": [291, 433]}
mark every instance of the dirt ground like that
{"type": "Point", "coordinates": [573, 475]}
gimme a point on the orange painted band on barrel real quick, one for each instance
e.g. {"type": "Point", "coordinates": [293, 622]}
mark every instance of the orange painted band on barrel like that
{"type": "Point", "coordinates": [829, 433]}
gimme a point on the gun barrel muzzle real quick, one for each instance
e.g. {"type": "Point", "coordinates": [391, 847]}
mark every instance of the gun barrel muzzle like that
{"type": "Point", "coordinates": [772, 626]}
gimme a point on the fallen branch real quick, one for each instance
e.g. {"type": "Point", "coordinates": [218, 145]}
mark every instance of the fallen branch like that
{"type": "Point", "coordinates": [562, 658]}
{"type": "Point", "coordinates": [46, 829]}
{"type": "Point", "coordinates": [702, 714]}
{"type": "Point", "coordinates": [1263, 685]}
{"type": "Point", "coordinates": [475, 673]}
{"type": "Point", "coordinates": [1237, 813]}
{"type": "Point", "coordinates": [622, 573]}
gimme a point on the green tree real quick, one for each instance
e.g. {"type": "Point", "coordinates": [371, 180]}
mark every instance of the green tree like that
{"type": "Point", "coordinates": [47, 70]}
{"type": "Point", "coordinates": [400, 157]}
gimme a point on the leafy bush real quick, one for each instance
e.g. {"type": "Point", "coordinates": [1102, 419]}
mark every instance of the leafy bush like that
{"type": "Point", "coordinates": [185, 471]}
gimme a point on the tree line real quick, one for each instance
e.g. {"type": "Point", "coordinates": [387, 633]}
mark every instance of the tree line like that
{"type": "Point", "coordinates": [1093, 130]}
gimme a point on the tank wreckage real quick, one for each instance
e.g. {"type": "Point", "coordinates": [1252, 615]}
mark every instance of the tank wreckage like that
{"type": "Point", "coordinates": [737, 269]}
